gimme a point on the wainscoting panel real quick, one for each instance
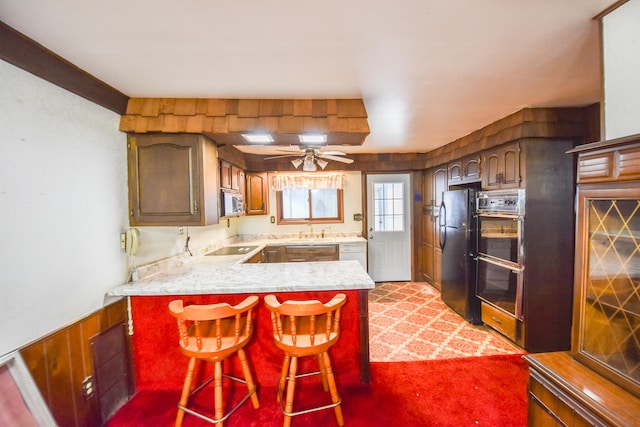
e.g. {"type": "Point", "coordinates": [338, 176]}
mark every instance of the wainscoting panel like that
{"type": "Point", "coordinates": [61, 365]}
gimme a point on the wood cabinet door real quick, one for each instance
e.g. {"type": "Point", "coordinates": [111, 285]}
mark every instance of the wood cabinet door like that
{"type": "Point", "coordinates": [454, 170]}
{"type": "Point", "coordinates": [501, 167]}
{"type": "Point", "coordinates": [272, 254]}
{"type": "Point", "coordinates": [440, 185]}
{"type": "Point", "coordinates": [471, 168]}
{"type": "Point", "coordinates": [491, 171]}
{"type": "Point", "coordinates": [257, 193]}
{"type": "Point", "coordinates": [237, 178]}
{"type": "Point", "coordinates": [510, 158]}
{"type": "Point", "coordinates": [225, 175]}
{"type": "Point", "coordinates": [164, 180]}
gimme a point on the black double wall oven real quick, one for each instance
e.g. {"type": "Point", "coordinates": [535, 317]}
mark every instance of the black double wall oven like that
{"type": "Point", "coordinates": [500, 259]}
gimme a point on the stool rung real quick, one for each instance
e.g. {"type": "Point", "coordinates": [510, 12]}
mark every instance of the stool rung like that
{"type": "Point", "coordinates": [228, 414]}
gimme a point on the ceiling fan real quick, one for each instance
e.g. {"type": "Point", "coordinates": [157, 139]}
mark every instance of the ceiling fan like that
{"type": "Point", "coordinates": [308, 157]}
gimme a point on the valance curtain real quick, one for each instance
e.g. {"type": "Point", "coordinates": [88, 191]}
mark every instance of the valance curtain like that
{"type": "Point", "coordinates": [299, 181]}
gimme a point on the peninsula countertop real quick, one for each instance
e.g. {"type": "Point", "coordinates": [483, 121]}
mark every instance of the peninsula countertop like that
{"type": "Point", "coordinates": [204, 277]}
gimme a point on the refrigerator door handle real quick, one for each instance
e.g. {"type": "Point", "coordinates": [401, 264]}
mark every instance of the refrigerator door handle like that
{"type": "Point", "coordinates": [442, 225]}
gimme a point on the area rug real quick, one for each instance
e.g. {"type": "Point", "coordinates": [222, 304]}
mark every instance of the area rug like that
{"type": "Point", "coordinates": [472, 391]}
{"type": "Point", "coordinates": [408, 321]}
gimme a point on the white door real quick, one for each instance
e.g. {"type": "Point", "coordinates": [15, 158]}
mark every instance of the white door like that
{"type": "Point", "coordinates": [389, 227]}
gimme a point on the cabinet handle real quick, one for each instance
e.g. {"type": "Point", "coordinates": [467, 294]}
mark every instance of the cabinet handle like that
{"type": "Point", "coordinates": [195, 206]}
{"type": "Point", "coordinates": [495, 319]}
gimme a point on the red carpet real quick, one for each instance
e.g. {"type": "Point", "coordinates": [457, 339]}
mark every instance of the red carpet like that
{"type": "Point", "coordinates": [474, 391]}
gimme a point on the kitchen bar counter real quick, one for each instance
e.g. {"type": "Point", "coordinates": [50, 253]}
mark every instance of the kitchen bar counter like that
{"type": "Point", "coordinates": [208, 276]}
{"type": "Point", "coordinates": [204, 279]}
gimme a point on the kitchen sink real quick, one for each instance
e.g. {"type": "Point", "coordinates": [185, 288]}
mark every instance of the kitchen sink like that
{"type": "Point", "coordinates": [232, 250]}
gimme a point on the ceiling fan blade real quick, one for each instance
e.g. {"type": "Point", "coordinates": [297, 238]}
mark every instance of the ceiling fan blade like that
{"type": "Point", "coordinates": [291, 149]}
{"type": "Point", "coordinates": [280, 157]}
{"type": "Point", "coordinates": [336, 158]}
{"type": "Point", "coordinates": [333, 153]}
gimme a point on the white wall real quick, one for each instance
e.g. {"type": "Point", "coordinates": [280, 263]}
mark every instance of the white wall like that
{"type": "Point", "coordinates": [62, 206]}
{"type": "Point", "coordinates": [621, 47]}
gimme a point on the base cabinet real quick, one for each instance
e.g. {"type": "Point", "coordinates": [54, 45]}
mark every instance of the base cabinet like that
{"type": "Point", "coordinates": [564, 392]}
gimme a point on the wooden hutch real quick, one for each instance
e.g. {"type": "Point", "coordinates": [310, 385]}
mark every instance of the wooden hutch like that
{"type": "Point", "coordinates": [598, 382]}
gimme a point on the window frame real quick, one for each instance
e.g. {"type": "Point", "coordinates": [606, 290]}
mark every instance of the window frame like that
{"type": "Point", "coordinates": [293, 221]}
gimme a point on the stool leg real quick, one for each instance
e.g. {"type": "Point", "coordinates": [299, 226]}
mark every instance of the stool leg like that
{"type": "Point", "coordinates": [248, 378]}
{"type": "Point", "coordinates": [332, 387]}
{"type": "Point", "coordinates": [291, 386]}
{"type": "Point", "coordinates": [217, 394]}
{"type": "Point", "coordinates": [283, 376]}
{"type": "Point", "coordinates": [323, 373]}
{"type": "Point", "coordinates": [186, 388]}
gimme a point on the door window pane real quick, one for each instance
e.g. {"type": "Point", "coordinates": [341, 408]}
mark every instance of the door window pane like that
{"type": "Point", "coordinates": [388, 206]}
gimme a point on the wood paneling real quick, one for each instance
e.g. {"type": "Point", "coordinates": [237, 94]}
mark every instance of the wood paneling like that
{"type": "Point", "coordinates": [61, 361]}
{"type": "Point", "coordinates": [225, 120]}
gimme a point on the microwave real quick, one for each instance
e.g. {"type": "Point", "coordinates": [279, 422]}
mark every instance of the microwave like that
{"type": "Point", "coordinates": [232, 204]}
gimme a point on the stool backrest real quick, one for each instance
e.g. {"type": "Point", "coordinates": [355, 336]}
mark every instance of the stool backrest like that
{"type": "Point", "coordinates": [220, 324]}
{"type": "Point", "coordinates": [318, 323]}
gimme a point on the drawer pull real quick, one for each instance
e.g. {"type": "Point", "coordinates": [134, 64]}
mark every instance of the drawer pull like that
{"type": "Point", "coordinates": [495, 319]}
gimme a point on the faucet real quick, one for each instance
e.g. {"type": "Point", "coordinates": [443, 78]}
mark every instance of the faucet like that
{"type": "Point", "coordinates": [311, 225]}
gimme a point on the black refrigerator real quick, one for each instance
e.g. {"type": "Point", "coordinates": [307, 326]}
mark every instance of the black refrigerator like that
{"type": "Point", "coordinates": [458, 239]}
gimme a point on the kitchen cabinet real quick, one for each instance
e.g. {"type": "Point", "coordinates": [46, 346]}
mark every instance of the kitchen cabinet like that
{"type": "Point", "coordinates": [464, 171]}
{"type": "Point", "coordinates": [501, 167]}
{"type": "Point", "coordinates": [272, 253]}
{"type": "Point", "coordinates": [173, 180]}
{"type": "Point", "coordinates": [257, 195]}
{"type": "Point", "coordinates": [231, 176]}
{"type": "Point", "coordinates": [311, 253]}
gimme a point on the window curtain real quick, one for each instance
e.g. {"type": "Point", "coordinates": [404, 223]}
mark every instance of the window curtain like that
{"type": "Point", "coordinates": [299, 181]}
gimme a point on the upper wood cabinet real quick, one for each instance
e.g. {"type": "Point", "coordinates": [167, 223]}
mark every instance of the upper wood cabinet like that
{"type": "Point", "coordinates": [257, 196]}
{"type": "Point", "coordinates": [464, 170]}
{"type": "Point", "coordinates": [173, 180]}
{"type": "Point", "coordinates": [501, 167]}
{"type": "Point", "coordinates": [231, 176]}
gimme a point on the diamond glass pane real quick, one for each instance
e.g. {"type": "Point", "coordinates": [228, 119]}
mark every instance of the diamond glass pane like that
{"type": "Point", "coordinates": [388, 206]}
{"type": "Point", "coordinates": [612, 309]}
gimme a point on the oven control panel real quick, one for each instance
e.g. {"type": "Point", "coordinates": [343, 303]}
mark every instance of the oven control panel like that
{"type": "Point", "coordinates": [501, 201]}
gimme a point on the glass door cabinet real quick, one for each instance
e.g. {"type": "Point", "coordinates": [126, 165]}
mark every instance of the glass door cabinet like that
{"type": "Point", "coordinates": [608, 298]}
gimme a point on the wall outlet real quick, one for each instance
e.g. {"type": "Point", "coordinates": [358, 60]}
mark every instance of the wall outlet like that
{"type": "Point", "coordinates": [180, 231]}
{"type": "Point", "coordinates": [88, 390]}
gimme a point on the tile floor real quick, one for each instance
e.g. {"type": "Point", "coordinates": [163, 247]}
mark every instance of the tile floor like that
{"type": "Point", "coordinates": [408, 321]}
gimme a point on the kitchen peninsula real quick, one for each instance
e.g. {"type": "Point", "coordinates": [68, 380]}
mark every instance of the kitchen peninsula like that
{"type": "Point", "coordinates": [201, 279]}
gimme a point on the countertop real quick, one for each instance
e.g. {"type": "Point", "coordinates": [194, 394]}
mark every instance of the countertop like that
{"type": "Point", "coordinates": [228, 274]}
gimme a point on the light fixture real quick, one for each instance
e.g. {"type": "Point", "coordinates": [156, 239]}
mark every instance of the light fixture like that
{"type": "Point", "coordinates": [322, 163]}
{"type": "Point", "coordinates": [313, 138]}
{"type": "Point", "coordinates": [309, 165]}
{"type": "Point", "coordinates": [296, 163]}
{"type": "Point", "coordinates": [258, 138]}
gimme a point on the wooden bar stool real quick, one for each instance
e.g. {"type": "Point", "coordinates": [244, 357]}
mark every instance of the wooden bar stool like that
{"type": "Point", "coordinates": [300, 329]}
{"type": "Point", "coordinates": [212, 333]}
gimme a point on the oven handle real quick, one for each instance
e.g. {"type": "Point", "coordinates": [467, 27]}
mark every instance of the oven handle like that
{"type": "Point", "coordinates": [516, 270]}
{"type": "Point", "coordinates": [515, 217]}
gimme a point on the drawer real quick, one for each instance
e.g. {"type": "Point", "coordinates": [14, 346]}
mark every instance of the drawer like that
{"type": "Point", "coordinates": [500, 321]}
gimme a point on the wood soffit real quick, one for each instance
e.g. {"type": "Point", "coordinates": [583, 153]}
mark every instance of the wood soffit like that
{"type": "Point", "coordinates": [225, 120]}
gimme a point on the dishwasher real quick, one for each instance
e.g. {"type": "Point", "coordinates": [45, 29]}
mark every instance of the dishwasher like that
{"type": "Point", "coordinates": [354, 251]}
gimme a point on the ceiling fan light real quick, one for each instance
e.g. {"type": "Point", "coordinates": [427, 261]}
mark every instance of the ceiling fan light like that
{"type": "Point", "coordinates": [258, 138]}
{"type": "Point", "coordinates": [296, 163]}
{"type": "Point", "coordinates": [322, 163]}
{"type": "Point", "coordinates": [313, 138]}
{"type": "Point", "coordinates": [309, 165]}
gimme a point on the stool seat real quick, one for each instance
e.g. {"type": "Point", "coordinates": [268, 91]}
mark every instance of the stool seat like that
{"type": "Point", "coordinates": [301, 329]}
{"type": "Point", "coordinates": [212, 333]}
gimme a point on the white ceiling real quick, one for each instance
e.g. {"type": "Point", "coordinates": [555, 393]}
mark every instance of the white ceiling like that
{"type": "Point", "coordinates": [429, 71]}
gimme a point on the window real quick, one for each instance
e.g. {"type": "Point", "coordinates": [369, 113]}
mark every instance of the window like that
{"type": "Point", "coordinates": [309, 206]}
{"type": "Point", "coordinates": [388, 206]}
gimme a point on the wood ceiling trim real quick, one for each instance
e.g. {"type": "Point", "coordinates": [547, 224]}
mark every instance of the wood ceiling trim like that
{"type": "Point", "coordinates": [224, 120]}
